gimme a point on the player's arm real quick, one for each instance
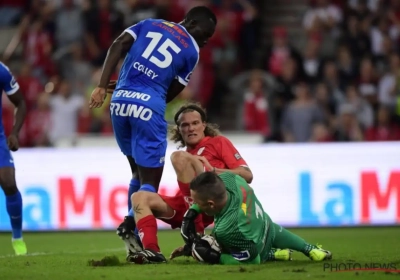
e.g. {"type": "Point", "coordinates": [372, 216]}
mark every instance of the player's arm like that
{"type": "Point", "coordinates": [19, 102]}
{"type": "Point", "coordinates": [118, 49]}
{"type": "Point", "coordinates": [183, 77]}
{"type": "Point", "coordinates": [233, 160]}
{"type": "Point", "coordinates": [231, 254]}
{"type": "Point", "coordinates": [11, 88]}
{"type": "Point", "coordinates": [174, 90]}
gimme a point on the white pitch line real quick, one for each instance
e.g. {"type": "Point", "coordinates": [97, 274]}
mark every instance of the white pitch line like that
{"type": "Point", "coordinates": [65, 253]}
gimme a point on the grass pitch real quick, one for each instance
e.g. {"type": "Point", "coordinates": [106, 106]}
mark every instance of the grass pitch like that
{"type": "Point", "coordinates": [65, 255]}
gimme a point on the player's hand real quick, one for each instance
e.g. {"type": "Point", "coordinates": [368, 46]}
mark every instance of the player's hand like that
{"type": "Point", "coordinates": [97, 98]}
{"type": "Point", "coordinates": [12, 142]}
{"type": "Point", "coordinates": [188, 228]}
{"type": "Point", "coordinates": [205, 163]}
{"type": "Point", "coordinates": [184, 250]}
{"type": "Point", "coordinates": [111, 87]}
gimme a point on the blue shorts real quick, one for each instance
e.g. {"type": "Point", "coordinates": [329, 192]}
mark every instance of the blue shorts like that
{"type": "Point", "coordinates": [140, 133]}
{"type": "Point", "coordinates": [6, 159]}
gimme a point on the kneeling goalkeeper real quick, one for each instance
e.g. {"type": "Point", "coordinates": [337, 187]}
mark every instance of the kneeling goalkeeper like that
{"type": "Point", "coordinates": [244, 231]}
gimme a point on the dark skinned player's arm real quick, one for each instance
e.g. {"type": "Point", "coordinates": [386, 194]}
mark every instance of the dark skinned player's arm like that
{"type": "Point", "coordinates": [118, 49]}
{"type": "Point", "coordinates": [19, 102]}
{"type": "Point", "coordinates": [174, 90]}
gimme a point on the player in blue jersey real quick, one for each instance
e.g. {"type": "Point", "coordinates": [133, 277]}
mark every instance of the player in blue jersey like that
{"type": "Point", "coordinates": [9, 85]}
{"type": "Point", "coordinates": [160, 57]}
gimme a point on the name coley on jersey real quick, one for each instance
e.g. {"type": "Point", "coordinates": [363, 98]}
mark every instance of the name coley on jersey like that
{"type": "Point", "coordinates": [141, 68]}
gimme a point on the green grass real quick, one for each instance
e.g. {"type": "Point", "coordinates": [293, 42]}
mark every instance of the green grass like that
{"type": "Point", "coordinates": [66, 255]}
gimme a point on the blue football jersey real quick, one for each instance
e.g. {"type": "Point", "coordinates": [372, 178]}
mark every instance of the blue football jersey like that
{"type": "Point", "coordinates": [162, 51]}
{"type": "Point", "coordinates": [9, 85]}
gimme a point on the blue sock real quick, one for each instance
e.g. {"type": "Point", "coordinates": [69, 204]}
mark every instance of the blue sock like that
{"type": "Point", "coordinates": [134, 186]}
{"type": "Point", "coordinates": [147, 188]}
{"type": "Point", "coordinates": [14, 209]}
{"type": "Point", "coordinates": [130, 213]}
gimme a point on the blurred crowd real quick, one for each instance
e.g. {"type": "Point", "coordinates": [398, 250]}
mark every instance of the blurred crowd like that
{"type": "Point", "coordinates": [343, 85]}
{"type": "Point", "coordinates": [65, 42]}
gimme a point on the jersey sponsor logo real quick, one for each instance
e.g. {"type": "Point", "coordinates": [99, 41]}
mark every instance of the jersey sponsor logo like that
{"type": "Point", "coordinates": [241, 256]}
{"type": "Point", "coordinates": [131, 110]}
{"type": "Point", "coordinates": [200, 151]}
{"type": "Point", "coordinates": [238, 156]}
{"type": "Point", "coordinates": [133, 94]}
{"type": "Point", "coordinates": [147, 71]}
{"type": "Point", "coordinates": [175, 31]}
{"type": "Point", "coordinates": [177, 28]}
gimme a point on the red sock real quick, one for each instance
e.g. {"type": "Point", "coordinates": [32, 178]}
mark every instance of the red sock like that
{"type": "Point", "coordinates": [184, 187]}
{"type": "Point", "coordinates": [148, 232]}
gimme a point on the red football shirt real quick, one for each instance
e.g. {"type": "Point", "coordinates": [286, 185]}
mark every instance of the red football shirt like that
{"type": "Point", "coordinates": [219, 152]}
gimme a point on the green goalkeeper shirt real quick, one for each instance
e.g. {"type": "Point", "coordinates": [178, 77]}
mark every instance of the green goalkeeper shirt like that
{"type": "Point", "coordinates": [242, 227]}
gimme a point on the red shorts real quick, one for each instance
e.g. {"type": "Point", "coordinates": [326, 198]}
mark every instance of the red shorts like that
{"type": "Point", "coordinates": [178, 204]}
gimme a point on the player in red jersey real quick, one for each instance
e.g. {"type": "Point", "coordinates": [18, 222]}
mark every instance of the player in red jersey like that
{"type": "Point", "coordinates": [207, 150]}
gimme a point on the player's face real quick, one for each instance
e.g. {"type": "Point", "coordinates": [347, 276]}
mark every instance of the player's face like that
{"type": "Point", "coordinates": [202, 31]}
{"type": "Point", "coordinates": [206, 206]}
{"type": "Point", "coordinates": [191, 128]}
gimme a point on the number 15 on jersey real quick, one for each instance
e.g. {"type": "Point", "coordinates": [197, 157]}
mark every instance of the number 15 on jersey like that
{"type": "Point", "coordinates": [163, 49]}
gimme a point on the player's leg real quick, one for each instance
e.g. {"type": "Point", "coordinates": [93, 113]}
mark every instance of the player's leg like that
{"type": "Point", "coordinates": [286, 239]}
{"type": "Point", "coordinates": [13, 199]}
{"type": "Point", "coordinates": [147, 206]}
{"type": "Point", "coordinates": [134, 184]}
{"type": "Point", "coordinates": [122, 131]}
{"type": "Point", "coordinates": [186, 167]}
{"type": "Point", "coordinates": [123, 135]}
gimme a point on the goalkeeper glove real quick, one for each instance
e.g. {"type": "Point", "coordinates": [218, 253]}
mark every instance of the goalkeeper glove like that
{"type": "Point", "coordinates": [202, 251]}
{"type": "Point", "coordinates": [188, 228]}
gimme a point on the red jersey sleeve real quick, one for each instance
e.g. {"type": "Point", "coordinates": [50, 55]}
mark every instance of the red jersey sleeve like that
{"type": "Point", "coordinates": [229, 154]}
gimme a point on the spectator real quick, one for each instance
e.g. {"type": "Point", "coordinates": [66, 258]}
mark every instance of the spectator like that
{"type": "Point", "coordinates": [65, 108]}
{"type": "Point", "coordinates": [325, 102]}
{"type": "Point", "coordinates": [312, 62]}
{"type": "Point", "coordinates": [356, 39]}
{"type": "Point", "coordinates": [332, 79]}
{"type": "Point", "coordinates": [280, 52]}
{"type": "Point", "coordinates": [30, 86]}
{"type": "Point", "coordinates": [39, 125]}
{"type": "Point", "coordinates": [363, 110]}
{"type": "Point", "coordinates": [348, 128]}
{"type": "Point", "coordinates": [324, 16]}
{"type": "Point", "coordinates": [321, 133]}
{"type": "Point", "coordinates": [368, 82]}
{"type": "Point", "coordinates": [256, 106]}
{"type": "Point", "coordinates": [388, 86]}
{"type": "Point", "coordinates": [300, 116]}
{"type": "Point", "coordinates": [68, 15]}
{"type": "Point", "coordinates": [283, 93]}
{"type": "Point", "coordinates": [384, 129]}
{"type": "Point", "coordinates": [346, 65]}
{"type": "Point", "coordinates": [103, 23]}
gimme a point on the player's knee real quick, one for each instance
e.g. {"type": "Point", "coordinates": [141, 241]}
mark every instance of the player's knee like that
{"type": "Point", "coordinates": [180, 160]}
{"type": "Point", "coordinates": [143, 198]}
{"type": "Point", "coordinates": [9, 189]}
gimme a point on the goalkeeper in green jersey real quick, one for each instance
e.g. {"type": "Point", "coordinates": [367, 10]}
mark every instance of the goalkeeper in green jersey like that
{"type": "Point", "coordinates": [245, 233]}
